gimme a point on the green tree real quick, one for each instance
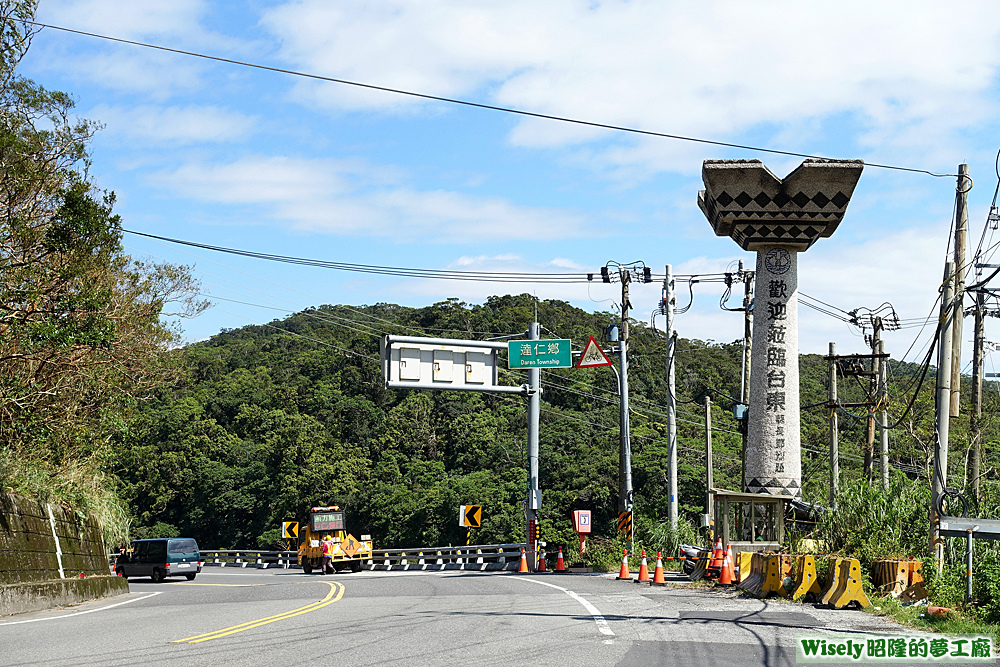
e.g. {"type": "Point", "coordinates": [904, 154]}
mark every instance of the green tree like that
{"type": "Point", "coordinates": [81, 335]}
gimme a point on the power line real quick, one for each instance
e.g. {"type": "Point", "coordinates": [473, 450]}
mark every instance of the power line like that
{"type": "Point", "coordinates": [468, 103]}
{"type": "Point", "coordinates": [440, 274]}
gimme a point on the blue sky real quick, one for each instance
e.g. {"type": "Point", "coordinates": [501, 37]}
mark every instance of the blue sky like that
{"type": "Point", "coordinates": [236, 157]}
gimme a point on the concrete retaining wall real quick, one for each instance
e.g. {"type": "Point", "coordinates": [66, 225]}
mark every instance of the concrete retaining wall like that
{"type": "Point", "coordinates": [31, 556]}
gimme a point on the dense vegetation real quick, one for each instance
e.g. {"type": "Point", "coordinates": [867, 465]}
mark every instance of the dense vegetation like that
{"type": "Point", "coordinates": [81, 339]}
{"type": "Point", "coordinates": [270, 420]}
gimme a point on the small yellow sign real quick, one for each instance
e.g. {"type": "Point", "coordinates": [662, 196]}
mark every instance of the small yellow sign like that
{"type": "Point", "coordinates": [470, 516]}
{"type": "Point", "coordinates": [350, 546]}
{"type": "Point", "coordinates": [290, 530]}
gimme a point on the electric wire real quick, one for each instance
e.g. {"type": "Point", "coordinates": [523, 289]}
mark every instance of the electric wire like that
{"type": "Point", "coordinates": [411, 328]}
{"type": "Point", "coordinates": [443, 274]}
{"type": "Point", "coordinates": [466, 103]}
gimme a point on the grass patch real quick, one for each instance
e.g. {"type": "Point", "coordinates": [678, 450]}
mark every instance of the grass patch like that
{"type": "Point", "coordinates": [957, 622]}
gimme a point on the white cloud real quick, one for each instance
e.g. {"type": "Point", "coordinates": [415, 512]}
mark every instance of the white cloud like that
{"type": "Point", "coordinates": [564, 263]}
{"type": "Point", "coordinates": [175, 124]}
{"type": "Point", "coordinates": [125, 18]}
{"type": "Point", "coordinates": [485, 260]}
{"type": "Point", "coordinates": [352, 197]}
{"type": "Point", "coordinates": [710, 69]}
{"type": "Point", "coordinates": [176, 24]}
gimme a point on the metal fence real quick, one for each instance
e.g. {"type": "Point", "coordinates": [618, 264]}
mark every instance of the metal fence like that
{"type": "Point", "coordinates": [471, 557]}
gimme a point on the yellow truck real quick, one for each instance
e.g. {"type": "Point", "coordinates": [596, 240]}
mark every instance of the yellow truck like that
{"type": "Point", "coordinates": [348, 551]}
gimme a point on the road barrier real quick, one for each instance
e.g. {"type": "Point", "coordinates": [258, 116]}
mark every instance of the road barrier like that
{"type": "Point", "coordinates": [765, 573]}
{"type": "Point", "coordinates": [806, 579]}
{"type": "Point", "coordinates": [832, 578]}
{"type": "Point", "coordinates": [895, 577]}
{"type": "Point", "coordinates": [754, 578]}
{"type": "Point", "coordinates": [701, 564]}
{"type": "Point", "coordinates": [776, 568]}
{"type": "Point", "coordinates": [743, 559]}
{"type": "Point", "coordinates": [849, 588]}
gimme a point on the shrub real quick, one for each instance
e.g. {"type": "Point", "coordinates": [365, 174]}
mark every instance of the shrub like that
{"type": "Point", "coordinates": [872, 523]}
{"type": "Point", "coordinates": [663, 537]}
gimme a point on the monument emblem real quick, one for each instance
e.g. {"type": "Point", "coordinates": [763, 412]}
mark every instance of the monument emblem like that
{"type": "Point", "coordinates": [777, 260]}
{"type": "Point", "coordinates": [777, 218]}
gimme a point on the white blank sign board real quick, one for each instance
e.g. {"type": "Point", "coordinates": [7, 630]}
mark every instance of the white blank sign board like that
{"type": "Point", "coordinates": [444, 366]}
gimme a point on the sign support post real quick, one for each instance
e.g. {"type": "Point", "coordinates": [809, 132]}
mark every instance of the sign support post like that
{"type": "Point", "coordinates": [534, 503]}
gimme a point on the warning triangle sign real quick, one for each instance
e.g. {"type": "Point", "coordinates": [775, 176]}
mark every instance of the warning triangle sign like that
{"type": "Point", "coordinates": [593, 356]}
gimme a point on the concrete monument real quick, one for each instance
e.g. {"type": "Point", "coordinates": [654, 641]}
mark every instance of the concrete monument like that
{"type": "Point", "coordinates": [777, 218]}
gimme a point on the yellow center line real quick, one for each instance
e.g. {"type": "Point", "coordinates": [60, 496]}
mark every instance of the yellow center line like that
{"type": "Point", "coordinates": [336, 592]}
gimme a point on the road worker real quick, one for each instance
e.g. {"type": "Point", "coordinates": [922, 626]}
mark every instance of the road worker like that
{"type": "Point", "coordinates": [327, 546]}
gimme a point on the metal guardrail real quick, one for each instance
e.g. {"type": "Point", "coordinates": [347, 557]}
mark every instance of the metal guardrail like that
{"type": "Point", "coordinates": [249, 558]}
{"type": "Point", "coordinates": [469, 557]}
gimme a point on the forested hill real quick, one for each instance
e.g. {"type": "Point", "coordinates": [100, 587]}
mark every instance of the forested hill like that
{"type": "Point", "coordinates": [273, 419]}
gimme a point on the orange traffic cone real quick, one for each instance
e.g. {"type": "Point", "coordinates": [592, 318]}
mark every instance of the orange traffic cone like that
{"type": "Point", "coordinates": [658, 572]}
{"type": "Point", "coordinates": [732, 565]}
{"type": "Point", "coordinates": [524, 563]}
{"type": "Point", "coordinates": [560, 565]}
{"type": "Point", "coordinates": [643, 571]}
{"type": "Point", "coordinates": [541, 562]}
{"type": "Point", "coordinates": [725, 576]}
{"type": "Point", "coordinates": [624, 574]}
{"type": "Point", "coordinates": [717, 554]}
{"type": "Point", "coordinates": [715, 562]}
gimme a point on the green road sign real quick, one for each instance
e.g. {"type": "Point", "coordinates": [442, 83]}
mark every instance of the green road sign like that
{"type": "Point", "coordinates": [553, 353]}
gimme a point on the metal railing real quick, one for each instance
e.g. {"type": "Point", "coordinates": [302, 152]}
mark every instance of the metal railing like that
{"type": "Point", "coordinates": [249, 558]}
{"type": "Point", "coordinates": [468, 557]}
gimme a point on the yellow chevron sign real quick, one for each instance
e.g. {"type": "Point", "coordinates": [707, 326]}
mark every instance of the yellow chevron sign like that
{"type": "Point", "coordinates": [470, 516]}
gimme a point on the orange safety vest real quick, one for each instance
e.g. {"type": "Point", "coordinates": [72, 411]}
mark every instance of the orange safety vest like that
{"type": "Point", "coordinates": [328, 548]}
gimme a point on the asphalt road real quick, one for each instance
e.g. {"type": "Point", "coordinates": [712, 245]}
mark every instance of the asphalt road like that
{"type": "Point", "coordinates": [283, 617]}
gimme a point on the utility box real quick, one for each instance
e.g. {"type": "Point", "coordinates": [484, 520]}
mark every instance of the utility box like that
{"type": "Point", "coordinates": [581, 524]}
{"type": "Point", "coordinates": [581, 521]}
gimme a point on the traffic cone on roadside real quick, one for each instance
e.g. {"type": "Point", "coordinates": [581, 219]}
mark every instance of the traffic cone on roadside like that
{"type": "Point", "coordinates": [623, 574]}
{"type": "Point", "coordinates": [717, 555]}
{"type": "Point", "coordinates": [725, 576]}
{"type": "Point", "coordinates": [541, 562]}
{"type": "Point", "coordinates": [732, 565]}
{"type": "Point", "coordinates": [715, 561]}
{"type": "Point", "coordinates": [560, 565]}
{"type": "Point", "coordinates": [524, 563]}
{"type": "Point", "coordinates": [643, 571]}
{"type": "Point", "coordinates": [658, 579]}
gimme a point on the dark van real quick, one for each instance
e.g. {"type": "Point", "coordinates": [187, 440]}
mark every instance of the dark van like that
{"type": "Point", "coordinates": [160, 558]}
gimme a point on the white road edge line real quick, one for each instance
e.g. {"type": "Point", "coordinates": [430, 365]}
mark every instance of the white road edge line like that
{"type": "Point", "coordinates": [81, 613]}
{"type": "Point", "coordinates": [602, 623]}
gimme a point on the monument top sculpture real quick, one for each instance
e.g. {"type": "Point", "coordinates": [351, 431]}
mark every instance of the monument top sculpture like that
{"type": "Point", "coordinates": [745, 201]}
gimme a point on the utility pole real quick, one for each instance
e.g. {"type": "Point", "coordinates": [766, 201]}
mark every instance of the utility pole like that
{"type": "Point", "coordinates": [747, 350]}
{"type": "Point", "coordinates": [975, 425]}
{"type": "Point", "coordinates": [964, 184]}
{"type": "Point", "coordinates": [883, 399]}
{"type": "Point", "coordinates": [534, 503]}
{"type": "Point", "coordinates": [709, 483]}
{"type": "Point", "coordinates": [942, 406]}
{"type": "Point", "coordinates": [625, 453]}
{"type": "Point", "coordinates": [834, 445]}
{"type": "Point", "coordinates": [668, 287]}
{"type": "Point", "coordinates": [874, 389]}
